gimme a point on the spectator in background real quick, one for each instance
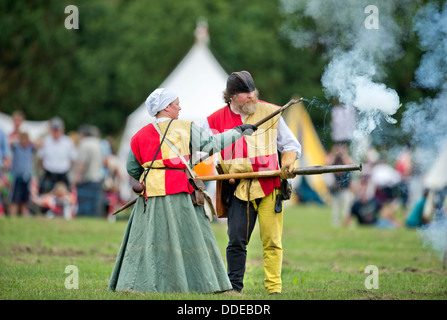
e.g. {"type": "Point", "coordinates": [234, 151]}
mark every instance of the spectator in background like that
{"type": "Point", "coordinates": [369, 211]}
{"type": "Point", "coordinates": [56, 156]}
{"type": "Point", "coordinates": [404, 165]}
{"type": "Point", "coordinates": [18, 117]}
{"type": "Point", "coordinates": [342, 197]}
{"type": "Point", "coordinates": [21, 170]}
{"type": "Point", "coordinates": [5, 162]}
{"type": "Point", "coordinates": [386, 181]}
{"type": "Point", "coordinates": [5, 152]}
{"type": "Point", "coordinates": [416, 216]}
{"type": "Point", "coordinates": [87, 175]}
{"type": "Point", "coordinates": [112, 181]}
{"type": "Point", "coordinates": [59, 202]}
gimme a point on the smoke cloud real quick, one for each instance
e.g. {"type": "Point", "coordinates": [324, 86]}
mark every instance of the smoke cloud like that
{"type": "Point", "coordinates": [426, 120]}
{"type": "Point", "coordinates": [434, 237]}
{"type": "Point", "coordinates": [358, 55]}
{"type": "Point", "coordinates": [430, 24]}
{"type": "Point", "coordinates": [358, 59]}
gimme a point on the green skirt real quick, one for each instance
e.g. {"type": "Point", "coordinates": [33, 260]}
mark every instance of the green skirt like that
{"type": "Point", "coordinates": [169, 246]}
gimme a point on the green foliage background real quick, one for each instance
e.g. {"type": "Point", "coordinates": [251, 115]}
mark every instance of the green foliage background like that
{"type": "Point", "coordinates": [123, 50]}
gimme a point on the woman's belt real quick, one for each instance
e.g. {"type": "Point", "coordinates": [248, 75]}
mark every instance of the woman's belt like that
{"type": "Point", "coordinates": [167, 168]}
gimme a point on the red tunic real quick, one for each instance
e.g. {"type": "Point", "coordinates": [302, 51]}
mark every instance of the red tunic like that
{"type": "Point", "coordinates": [224, 119]}
{"type": "Point", "coordinates": [144, 145]}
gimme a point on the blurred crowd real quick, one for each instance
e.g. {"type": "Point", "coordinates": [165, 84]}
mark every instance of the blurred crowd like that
{"type": "Point", "coordinates": [58, 174]}
{"type": "Point", "coordinates": [385, 195]}
{"type": "Point", "coordinates": [78, 174]}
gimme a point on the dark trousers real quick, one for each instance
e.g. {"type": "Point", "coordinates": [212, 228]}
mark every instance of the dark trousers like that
{"type": "Point", "coordinates": [50, 179]}
{"type": "Point", "coordinates": [240, 228]}
{"type": "Point", "coordinates": [90, 199]}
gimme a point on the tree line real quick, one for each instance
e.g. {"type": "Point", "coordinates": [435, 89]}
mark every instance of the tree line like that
{"type": "Point", "coordinates": [123, 50]}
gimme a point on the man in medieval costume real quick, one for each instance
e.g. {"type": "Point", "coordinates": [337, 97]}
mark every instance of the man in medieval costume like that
{"type": "Point", "coordinates": [272, 145]}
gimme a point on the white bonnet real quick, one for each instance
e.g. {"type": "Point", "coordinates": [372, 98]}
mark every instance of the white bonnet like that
{"type": "Point", "coordinates": [159, 100]}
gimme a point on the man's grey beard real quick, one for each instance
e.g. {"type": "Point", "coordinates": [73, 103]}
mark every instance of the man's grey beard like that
{"type": "Point", "coordinates": [247, 108]}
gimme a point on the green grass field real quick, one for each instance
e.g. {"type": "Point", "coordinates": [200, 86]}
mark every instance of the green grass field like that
{"type": "Point", "coordinates": [320, 262]}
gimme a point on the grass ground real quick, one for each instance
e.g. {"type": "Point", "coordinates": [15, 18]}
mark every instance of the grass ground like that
{"type": "Point", "coordinates": [320, 262]}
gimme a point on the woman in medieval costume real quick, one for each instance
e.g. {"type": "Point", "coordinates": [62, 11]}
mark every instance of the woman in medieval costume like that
{"type": "Point", "coordinates": [168, 245]}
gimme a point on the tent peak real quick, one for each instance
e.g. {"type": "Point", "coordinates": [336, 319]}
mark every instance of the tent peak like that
{"type": "Point", "coordinates": [201, 32]}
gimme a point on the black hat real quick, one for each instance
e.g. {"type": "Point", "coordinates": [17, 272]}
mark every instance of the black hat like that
{"type": "Point", "coordinates": [238, 82]}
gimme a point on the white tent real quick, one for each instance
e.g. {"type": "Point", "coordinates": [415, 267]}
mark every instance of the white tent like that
{"type": "Point", "coordinates": [198, 80]}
